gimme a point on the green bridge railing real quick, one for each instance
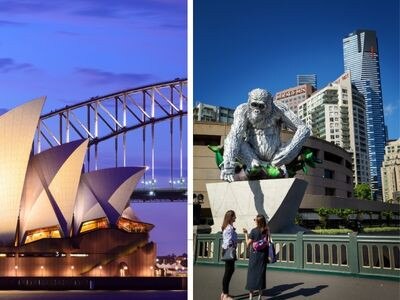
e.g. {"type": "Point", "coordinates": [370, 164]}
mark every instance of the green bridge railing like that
{"type": "Point", "coordinates": [350, 254]}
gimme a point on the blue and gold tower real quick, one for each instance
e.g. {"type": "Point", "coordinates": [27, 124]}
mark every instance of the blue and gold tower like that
{"type": "Point", "coordinates": [361, 58]}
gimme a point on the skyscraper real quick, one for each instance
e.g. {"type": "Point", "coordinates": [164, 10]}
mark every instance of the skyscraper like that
{"type": "Point", "coordinates": [391, 172]}
{"type": "Point", "coordinates": [361, 57]}
{"type": "Point", "coordinates": [310, 79]}
{"type": "Point", "coordinates": [336, 114]}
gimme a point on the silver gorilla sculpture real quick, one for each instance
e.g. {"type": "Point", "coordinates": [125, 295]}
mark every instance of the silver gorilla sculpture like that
{"type": "Point", "coordinates": [254, 138]}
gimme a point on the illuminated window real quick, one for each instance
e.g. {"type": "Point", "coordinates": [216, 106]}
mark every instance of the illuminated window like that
{"type": "Point", "coordinates": [133, 226]}
{"type": "Point", "coordinates": [94, 224]}
{"type": "Point", "coordinates": [43, 233]}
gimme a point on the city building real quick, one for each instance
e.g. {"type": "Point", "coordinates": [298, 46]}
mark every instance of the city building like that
{"type": "Point", "coordinates": [332, 178]}
{"type": "Point", "coordinates": [56, 220]}
{"type": "Point", "coordinates": [390, 172]}
{"type": "Point", "coordinates": [212, 113]}
{"type": "Point", "coordinates": [336, 114]}
{"type": "Point", "coordinates": [329, 184]}
{"type": "Point", "coordinates": [361, 58]}
{"type": "Point", "coordinates": [310, 79]}
{"type": "Point", "coordinates": [292, 97]}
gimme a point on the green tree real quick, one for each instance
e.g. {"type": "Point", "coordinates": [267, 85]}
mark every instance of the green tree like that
{"type": "Point", "coordinates": [323, 214]}
{"type": "Point", "coordinates": [344, 214]}
{"type": "Point", "coordinates": [388, 215]}
{"type": "Point", "coordinates": [362, 191]}
{"type": "Point", "coordinates": [298, 220]}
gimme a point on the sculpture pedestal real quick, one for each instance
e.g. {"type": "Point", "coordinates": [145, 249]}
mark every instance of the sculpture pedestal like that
{"type": "Point", "coordinates": [277, 199]}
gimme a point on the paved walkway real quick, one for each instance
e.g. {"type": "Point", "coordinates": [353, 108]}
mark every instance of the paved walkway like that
{"type": "Point", "coordinates": [207, 284]}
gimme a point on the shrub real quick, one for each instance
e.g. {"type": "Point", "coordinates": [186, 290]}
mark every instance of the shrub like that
{"type": "Point", "coordinates": [332, 231]}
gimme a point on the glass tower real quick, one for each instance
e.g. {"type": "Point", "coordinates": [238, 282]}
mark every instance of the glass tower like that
{"type": "Point", "coordinates": [361, 58]}
{"type": "Point", "coordinates": [310, 79]}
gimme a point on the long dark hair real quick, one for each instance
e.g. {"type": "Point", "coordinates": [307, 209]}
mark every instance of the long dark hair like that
{"type": "Point", "coordinates": [262, 224]}
{"type": "Point", "coordinates": [229, 215]}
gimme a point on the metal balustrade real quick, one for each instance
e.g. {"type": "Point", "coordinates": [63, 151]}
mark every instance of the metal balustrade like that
{"type": "Point", "coordinates": [349, 254]}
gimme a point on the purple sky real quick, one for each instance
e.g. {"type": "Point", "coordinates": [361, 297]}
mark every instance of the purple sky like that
{"type": "Point", "coordinates": [170, 225]}
{"type": "Point", "coordinates": [87, 48]}
{"type": "Point", "coordinates": [71, 51]}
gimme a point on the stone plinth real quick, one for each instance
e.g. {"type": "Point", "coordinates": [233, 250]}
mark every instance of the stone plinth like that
{"type": "Point", "coordinates": [277, 199]}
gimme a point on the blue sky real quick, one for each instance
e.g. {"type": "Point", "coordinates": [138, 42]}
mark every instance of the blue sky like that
{"type": "Point", "coordinates": [241, 45]}
{"type": "Point", "coordinates": [70, 51]}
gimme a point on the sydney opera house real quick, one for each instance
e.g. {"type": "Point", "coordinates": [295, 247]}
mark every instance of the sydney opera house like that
{"type": "Point", "coordinates": [56, 220]}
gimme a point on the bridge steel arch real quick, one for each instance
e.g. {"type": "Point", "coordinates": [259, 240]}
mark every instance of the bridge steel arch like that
{"type": "Point", "coordinates": [111, 116]}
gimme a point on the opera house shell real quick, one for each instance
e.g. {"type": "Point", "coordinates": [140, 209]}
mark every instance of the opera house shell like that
{"type": "Point", "coordinates": [56, 220]}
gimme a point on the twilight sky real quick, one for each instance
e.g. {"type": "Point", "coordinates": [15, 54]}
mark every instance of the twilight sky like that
{"type": "Point", "coordinates": [241, 45]}
{"type": "Point", "coordinates": [71, 51]}
{"type": "Point", "coordinates": [87, 48]}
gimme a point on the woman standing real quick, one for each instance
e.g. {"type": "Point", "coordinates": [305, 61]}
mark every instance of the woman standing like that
{"type": "Point", "coordinates": [229, 239]}
{"type": "Point", "coordinates": [256, 273]}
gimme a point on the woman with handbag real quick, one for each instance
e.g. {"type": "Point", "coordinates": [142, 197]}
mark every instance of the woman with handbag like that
{"type": "Point", "coordinates": [229, 243]}
{"type": "Point", "coordinates": [258, 240]}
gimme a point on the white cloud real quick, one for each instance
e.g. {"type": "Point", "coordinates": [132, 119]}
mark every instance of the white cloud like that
{"type": "Point", "coordinates": [390, 108]}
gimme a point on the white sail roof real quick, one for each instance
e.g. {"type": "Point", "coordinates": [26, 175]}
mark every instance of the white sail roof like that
{"type": "Point", "coordinates": [105, 193]}
{"type": "Point", "coordinates": [17, 130]}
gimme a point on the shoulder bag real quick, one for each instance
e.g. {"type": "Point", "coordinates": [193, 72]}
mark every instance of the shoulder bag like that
{"type": "Point", "coordinates": [271, 252]}
{"type": "Point", "coordinates": [229, 254]}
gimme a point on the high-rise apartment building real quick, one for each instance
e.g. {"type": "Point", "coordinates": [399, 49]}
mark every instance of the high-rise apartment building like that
{"type": "Point", "coordinates": [310, 79]}
{"type": "Point", "coordinates": [212, 113]}
{"type": "Point", "coordinates": [336, 114]}
{"type": "Point", "coordinates": [294, 96]}
{"type": "Point", "coordinates": [390, 172]}
{"type": "Point", "coordinates": [361, 58]}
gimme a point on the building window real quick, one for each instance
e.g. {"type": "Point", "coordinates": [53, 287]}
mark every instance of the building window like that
{"type": "Point", "coordinates": [330, 191]}
{"type": "Point", "coordinates": [349, 194]}
{"type": "Point", "coordinates": [348, 179]}
{"type": "Point", "coordinates": [332, 157]}
{"type": "Point", "coordinates": [329, 174]}
{"type": "Point", "coordinates": [205, 140]}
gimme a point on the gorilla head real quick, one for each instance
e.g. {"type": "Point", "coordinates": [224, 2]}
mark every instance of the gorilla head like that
{"type": "Point", "coordinates": [259, 105]}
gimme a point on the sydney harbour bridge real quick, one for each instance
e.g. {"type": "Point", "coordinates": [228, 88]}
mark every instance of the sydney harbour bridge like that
{"type": "Point", "coordinates": [144, 126]}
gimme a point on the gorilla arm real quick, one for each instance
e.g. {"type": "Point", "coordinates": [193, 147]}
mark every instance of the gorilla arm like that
{"type": "Point", "coordinates": [233, 142]}
{"type": "Point", "coordinates": [287, 153]}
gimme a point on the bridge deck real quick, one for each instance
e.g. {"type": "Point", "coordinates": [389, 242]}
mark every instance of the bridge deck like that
{"type": "Point", "coordinates": [207, 284]}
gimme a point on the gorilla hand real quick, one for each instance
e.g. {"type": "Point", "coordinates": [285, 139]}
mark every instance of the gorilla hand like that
{"type": "Point", "coordinates": [255, 163]}
{"type": "Point", "coordinates": [228, 171]}
{"type": "Point", "coordinates": [284, 155]}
